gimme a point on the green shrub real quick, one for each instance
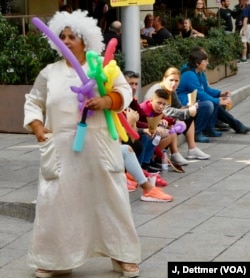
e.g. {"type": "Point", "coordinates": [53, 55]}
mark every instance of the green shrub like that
{"type": "Point", "coordinates": [220, 47]}
{"type": "Point", "coordinates": [22, 56]}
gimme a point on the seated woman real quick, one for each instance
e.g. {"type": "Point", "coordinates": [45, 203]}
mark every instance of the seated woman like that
{"type": "Point", "coordinates": [188, 30]}
{"type": "Point", "coordinates": [176, 110]}
{"type": "Point", "coordinates": [193, 77]}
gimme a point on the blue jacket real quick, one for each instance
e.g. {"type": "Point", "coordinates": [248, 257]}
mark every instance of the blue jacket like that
{"type": "Point", "coordinates": [191, 80]}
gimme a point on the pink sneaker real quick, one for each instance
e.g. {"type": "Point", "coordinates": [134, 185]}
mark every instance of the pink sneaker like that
{"type": "Point", "coordinates": [156, 195]}
{"type": "Point", "coordinates": [160, 182]}
{"type": "Point", "coordinates": [147, 174]}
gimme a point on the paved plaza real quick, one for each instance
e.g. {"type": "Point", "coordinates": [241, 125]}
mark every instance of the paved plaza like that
{"type": "Point", "coordinates": [209, 219]}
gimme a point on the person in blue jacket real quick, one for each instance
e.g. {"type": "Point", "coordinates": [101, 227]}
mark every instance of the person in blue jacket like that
{"type": "Point", "coordinates": [211, 102]}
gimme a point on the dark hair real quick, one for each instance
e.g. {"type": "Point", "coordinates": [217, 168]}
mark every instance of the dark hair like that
{"type": "Point", "coordinates": [161, 93]}
{"type": "Point", "coordinates": [196, 56]}
{"type": "Point", "coordinates": [66, 8]}
{"type": "Point", "coordinates": [161, 19]}
{"type": "Point", "coordinates": [146, 19]}
{"type": "Point", "coordinates": [131, 74]}
{"type": "Point", "coordinates": [180, 20]}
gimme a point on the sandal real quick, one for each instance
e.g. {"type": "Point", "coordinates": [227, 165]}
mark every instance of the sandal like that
{"type": "Point", "coordinates": [176, 167]}
{"type": "Point", "coordinates": [127, 269]}
{"type": "Point", "coordinates": [43, 273]}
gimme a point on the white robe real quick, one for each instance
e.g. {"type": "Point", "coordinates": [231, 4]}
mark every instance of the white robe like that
{"type": "Point", "coordinates": [85, 212]}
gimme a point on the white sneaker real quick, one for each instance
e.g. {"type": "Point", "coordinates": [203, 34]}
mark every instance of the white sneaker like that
{"type": "Point", "coordinates": [177, 158]}
{"type": "Point", "coordinates": [196, 153]}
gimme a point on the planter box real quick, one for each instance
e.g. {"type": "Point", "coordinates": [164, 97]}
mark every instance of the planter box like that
{"type": "Point", "coordinates": [11, 108]}
{"type": "Point", "coordinates": [218, 73]}
{"type": "Point", "coordinates": [231, 68]}
{"type": "Point", "coordinates": [221, 71]}
{"type": "Point", "coordinates": [144, 90]}
{"type": "Point", "coordinates": [212, 75]}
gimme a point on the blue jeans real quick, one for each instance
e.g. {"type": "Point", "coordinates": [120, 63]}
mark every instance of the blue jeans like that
{"type": "Point", "coordinates": [226, 117]}
{"type": "Point", "coordinates": [147, 149]}
{"type": "Point", "coordinates": [206, 116]}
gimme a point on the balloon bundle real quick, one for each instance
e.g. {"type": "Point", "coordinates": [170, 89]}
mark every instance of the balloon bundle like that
{"type": "Point", "coordinates": [103, 73]}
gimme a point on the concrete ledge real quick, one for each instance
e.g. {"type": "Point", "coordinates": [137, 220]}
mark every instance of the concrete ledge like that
{"type": "Point", "coordinates": [240, 94]}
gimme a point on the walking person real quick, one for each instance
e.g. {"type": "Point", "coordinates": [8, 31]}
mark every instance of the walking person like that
{"type": "Point", "coordinates": [83, 207]}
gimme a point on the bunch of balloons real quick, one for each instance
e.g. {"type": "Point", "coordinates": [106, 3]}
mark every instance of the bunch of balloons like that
{"type": "Point", "coordinates": [103, 73]}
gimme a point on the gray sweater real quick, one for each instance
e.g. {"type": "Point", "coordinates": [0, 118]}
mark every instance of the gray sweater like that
{"type": "Point", "coordinates": [175, 110]}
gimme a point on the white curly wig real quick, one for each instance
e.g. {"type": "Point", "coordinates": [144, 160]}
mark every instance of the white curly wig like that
{"type": "Point", "coordinates": [85, 27]}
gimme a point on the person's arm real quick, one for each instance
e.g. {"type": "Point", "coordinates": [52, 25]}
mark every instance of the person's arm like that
{"type": "Point", "coordinates": [122, 87]}
{"type": "Point", "coordinates": [105, 8]}
{"type": "Point", "coordinates": [34, 106]}
{"type": "Point", "coordinates": [136, 106]}
{"type": "Point", "coordinates": [196, 34]}
{"type": "Point", "coordinates": [215, 93]}
{"type": "Point", "coordinates": [244, 26]}
{"type": "Point", "coordinates": [190, 81]}
{"type": "Point", "coordinates": [177, 110]}
{"type": "Point", "coordinates": [180, 114]}
{"type": "Point", "coordinates": [211, 13]}
{"type": "Point", "coordinates": [235, 13]}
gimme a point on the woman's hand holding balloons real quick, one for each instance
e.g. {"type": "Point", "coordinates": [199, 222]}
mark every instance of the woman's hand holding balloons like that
{"type": "Point", "coordinates": [84, 92]}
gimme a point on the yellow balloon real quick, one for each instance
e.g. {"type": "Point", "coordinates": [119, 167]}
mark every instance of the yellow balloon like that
{"type": "Point", "coordinates": [120, 129]}
{"type": "Point", "coordinates": [111, 71]}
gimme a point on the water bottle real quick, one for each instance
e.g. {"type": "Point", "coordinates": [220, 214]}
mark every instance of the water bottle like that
{"type": "Point", "coordinates": [164, 164]}
{"type": "Point", "coordinates": [156, 140]}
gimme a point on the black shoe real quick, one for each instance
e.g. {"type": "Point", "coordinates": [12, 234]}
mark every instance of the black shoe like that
{"type": "Point", "coordinates": [149, 168]}
{"type": "Point", "coordinates": [222, 126]}
{"type": "Point", "coordinates": [157, 160]}
{"type": "Point", "coordinates": [243, 130]}
{"type": "Point", "coordinates": [157, 165]}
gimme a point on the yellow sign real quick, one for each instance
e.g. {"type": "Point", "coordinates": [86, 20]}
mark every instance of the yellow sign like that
{"type": "Point", "coordinates": [120, 3]}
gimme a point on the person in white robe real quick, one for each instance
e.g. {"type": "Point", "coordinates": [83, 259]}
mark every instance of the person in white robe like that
{"type": "Point", "coordinates": [83, 207]}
